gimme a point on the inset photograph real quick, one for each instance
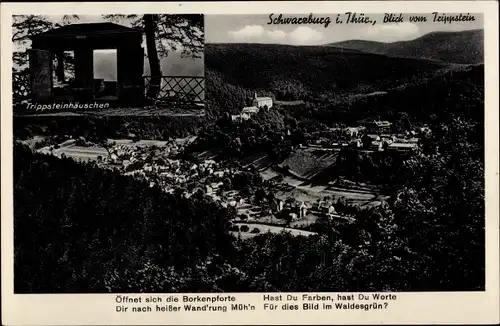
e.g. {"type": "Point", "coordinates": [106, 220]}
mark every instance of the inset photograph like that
{"type": "Point", "coordinates": [343, 158]}
{"type": "Point", "coordinates": [136, 65]}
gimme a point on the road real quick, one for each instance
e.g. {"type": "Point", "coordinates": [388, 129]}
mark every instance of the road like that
{"type": "Point", "coordinates": [269, 228]}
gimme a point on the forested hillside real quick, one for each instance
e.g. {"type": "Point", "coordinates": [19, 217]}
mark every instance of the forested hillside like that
{"type": "Point", "coordinates": [79, 228]}
{"type": "Point", "coordinates": [458, 91]}
{"type": "Point", "coordinates": [339, 87]}
{"type": "Point", "coordinates": [143, 127]}
{"type": "Point", "coordinates": [465, 47]}
{"type": "Point", "coordinates": [305, 72]}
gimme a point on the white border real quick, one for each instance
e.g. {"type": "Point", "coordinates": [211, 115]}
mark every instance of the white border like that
{"type": "Point", "coordinates": [409, 308]}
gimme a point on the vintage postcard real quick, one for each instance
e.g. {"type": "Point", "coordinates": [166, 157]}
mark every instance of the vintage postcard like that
{"type": "Point", "coordinates": [279, 163]}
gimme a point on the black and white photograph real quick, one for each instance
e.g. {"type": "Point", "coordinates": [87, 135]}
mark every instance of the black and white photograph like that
{"type": "Point", "coordinates": [346, 159]}
{"type": "Point", "coordinates": [108, 65]}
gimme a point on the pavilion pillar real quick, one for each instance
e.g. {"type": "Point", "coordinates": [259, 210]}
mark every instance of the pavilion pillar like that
{"type": "Point", "coordinates": [60, 66]}
{"type": "Point", "coordinates": [84, 74]}
{"type": "Point", "coordinates": [130, 65]}
{"type": "Point", "coordinates": [40, 66]}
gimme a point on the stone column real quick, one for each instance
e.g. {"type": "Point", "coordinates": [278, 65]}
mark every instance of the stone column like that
{"type": "Point", "coordinates": [40, 66]}
{"type": "Point", "coordinates": [84, 75]}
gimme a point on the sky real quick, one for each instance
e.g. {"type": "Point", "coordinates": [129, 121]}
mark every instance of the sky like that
{"type": "Point", "coordinates": [255, 29]}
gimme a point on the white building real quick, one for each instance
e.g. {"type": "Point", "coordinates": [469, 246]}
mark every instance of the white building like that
{"type": "Point", "coordinates": [240, 117]}
{"type": "Point", "coordinates": [262, 101]}
{"type": "Point", "coordinates": [250, 110]}
{"type": "Point", "coordinates": [351, 131]}
{"type": "Point", "coordinates": [402, 147]}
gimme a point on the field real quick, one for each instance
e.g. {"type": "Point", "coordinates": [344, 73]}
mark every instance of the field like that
{"type": "Point", "coordinates": [306, 163]}
{"type": "Point", "coordinates": [78, 153]}
{"type": "Point", "coordinates": [81, 153]}
{"type": "Point", "coordinates": [259, 161]}
{"type": "Point", "coordinates": [303, 165]}
{"type": "Point", "coordinates": [311, 193]}
{"type": "Point", "coordinates": [289, 103]}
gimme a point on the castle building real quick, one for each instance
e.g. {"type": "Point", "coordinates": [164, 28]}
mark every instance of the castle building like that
{"type": "Point", "coordinates": [262, 101]}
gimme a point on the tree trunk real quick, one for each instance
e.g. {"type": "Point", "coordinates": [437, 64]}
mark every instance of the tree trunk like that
{"type": "Point", "coordinates": [150, 22]}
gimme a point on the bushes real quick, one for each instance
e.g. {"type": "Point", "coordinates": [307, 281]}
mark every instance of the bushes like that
{"type": "Point", "coordinates": [95, 127]}
{"type": "Point", "coordinates": [71, 219]}
{"type": "Point", "coordinates": [244, 228]}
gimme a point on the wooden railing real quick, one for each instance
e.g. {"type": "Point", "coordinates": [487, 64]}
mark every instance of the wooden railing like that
{"type": "Point", "coordinates": [178, 89]}
{"type": "Point", "coordinates": [21, 88]}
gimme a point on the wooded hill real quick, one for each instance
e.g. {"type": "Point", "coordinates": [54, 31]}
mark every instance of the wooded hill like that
{"type": "Point", "coordinates": [464, 47]}
{"type": "Point", "coordinates": [307, 70]}
{"type": "Point", "coordinates": [337, 85]}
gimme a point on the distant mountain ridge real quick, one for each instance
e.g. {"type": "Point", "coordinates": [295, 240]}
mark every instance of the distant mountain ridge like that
{"type": "Point", "coordinates": [464, 47]}
{"type": "Point", "coordinates": [173, 65]}
{"type": "Point", "coordinates": [313, 68]}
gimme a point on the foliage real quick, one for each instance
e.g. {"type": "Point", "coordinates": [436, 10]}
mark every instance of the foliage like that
{"type": "Point", "coordinates": [443, 198]}
{"type": "Point", "coordinates": [264, 132]}
{"type": "Point", "coordinates": [87, 224]}
{"type": "Point", "coordinates": [25, 26]}
{"type": "Point", "coordinates": [145, 127]}
{"type": "Point", "coordinates": [183, 32]}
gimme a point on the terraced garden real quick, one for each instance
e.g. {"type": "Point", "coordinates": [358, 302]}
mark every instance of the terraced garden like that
{"type": "Point", "coordinates": [308, 162]}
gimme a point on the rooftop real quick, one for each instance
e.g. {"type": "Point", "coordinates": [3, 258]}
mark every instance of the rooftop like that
{"type": "Point", "coordinates": [261, 98]}
{"type": "Point", "coordinates": [86, 29]}
{"type": "Point", "coordinates": [250, 109]}
{"type": "Point", "coordinates": [403, 145]}
{"type": "Point", "coordinates": [382, 123]}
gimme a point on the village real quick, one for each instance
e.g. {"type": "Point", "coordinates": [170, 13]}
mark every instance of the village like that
{"type": "Point", "coordinates": [258, 206]}
{"type": "Point", "coordinates": [277, 201]}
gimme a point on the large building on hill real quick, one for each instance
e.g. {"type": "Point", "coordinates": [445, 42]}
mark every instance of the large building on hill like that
{"type": "Point", "coordinates": [262, 101]}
